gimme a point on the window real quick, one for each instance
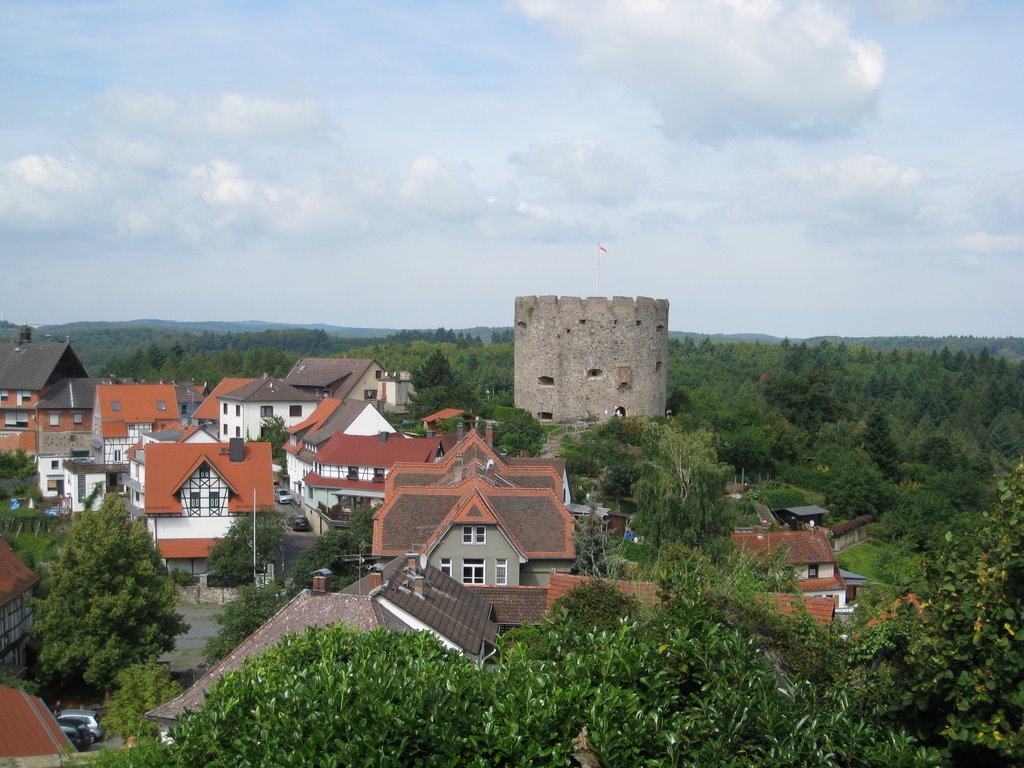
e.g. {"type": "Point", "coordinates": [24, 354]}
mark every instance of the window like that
{"type": "Point", "coordinates": [24, 396]}
{"type": "Point", "coordinates": [474, 534]}
{"type": "Point", "coordinates": [55, 464]}
{"type": "Point", "coordinates": [238, 431]}
{"type": "Point", "coordinates": [238, 410]}
{"type": "Point", "coordinates": [161, 405]}
{"type": "Point", "coordinates": [4, 394]}
{"type": "Point", "coordinates": [378, 474]}
{"type": "Point", "coordinates": [194, 503]}
{"type": "Point", "coordinates": [77, 418]}
{"type": "Point", "coordinates": [378, 373]}
{"type": "Point", "coordinates": [369, 394]}
{"type": "Point", "coordinates": [225, 429]}
{"type": "Point", "coordinates": [215, 508]}
{"type": "Point", "coordinates": [117, 455]}
{"type": "Point", "coordinates": [295, 411]}
{"type": "Point", "coordinates": [51, 487]}
{"type": "Point", "coordinates": [54, 418]}
{"type": "Point", "coordinates": [812, 571]}
{"type": "Point", "coordinates": [473, 571]}
{"type": "Point", "coordinates": [501, 571]}
{"type": "Point", "coordinates": [225, 409]}
{"type": "Point", "coordinates": [115, 405]}
{"type": "Point", "coordinates": [353, 473]}
{"type": "Point", "coordinates": [446, 566]}
{"type": "Point", "coordinates": [204, 472]}
{"type": "Point", "coordinates": [266, 410]}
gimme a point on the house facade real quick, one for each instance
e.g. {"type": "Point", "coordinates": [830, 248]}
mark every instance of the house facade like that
{"type": "Point", "coordinates": [337, 377]}
{"type": "Point", "coordinates": [809, 552]}
{"type": "Point", "coordinates": [241, 411]}
{"type": "Point", "coordinates": [349, 471]}
{"type": "Point", "coordinates": [28, 371]}
{"type": "Point", "coordinates": [478, 518]}
{"type": "Point", "coordinates": [123, 413]}
{"type": "Point", "coordinates": [194, 491]}
{"type": "Point", "coordinates": [64, 429]}
{"type": "Point", "coordinates": [17, 585]}
{"type": "Point", "coordinates": [331, 417]}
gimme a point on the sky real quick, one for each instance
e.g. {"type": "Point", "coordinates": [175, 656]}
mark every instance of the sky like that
{"type": "Point", "coordinates": [786, 167]}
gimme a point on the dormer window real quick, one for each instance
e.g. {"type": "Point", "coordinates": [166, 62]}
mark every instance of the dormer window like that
{"type": "Point", "coordinates": [161, 405]}
{"type": "Point", "coordinates": [474, 534]}
{"type": "Point", "coordinates": [115, 405]}
{"type": "Point", "coordinates": [812, 571]}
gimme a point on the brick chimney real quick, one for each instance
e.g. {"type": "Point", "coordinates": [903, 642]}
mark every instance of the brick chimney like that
{"type": "Point", "coordinates": [489, 435]}
{"type": "Point", "coordinates": [321, 583]}
{"type": "Point", "coordinates": [458, 467]}
{"type": "Point", "coordinates": [376, 580]}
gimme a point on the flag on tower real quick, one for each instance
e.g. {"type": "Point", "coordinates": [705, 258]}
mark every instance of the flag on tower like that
{"type": "Point", "coordinates": [601, 248]}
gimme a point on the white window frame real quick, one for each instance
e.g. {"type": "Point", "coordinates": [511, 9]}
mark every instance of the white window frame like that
{"type": "Point", "coordinates": [446, 566]}
{"type": "Point", "coordinates": [54, 418]}
{"type": "Point", "coordinates": [475, 576]}
{"type": "Point", "coordinates": [501, 571]}
{"type": "Point", "coordinates": [474, 534]}
{"type": "Point", "coordinates": [77, 418]}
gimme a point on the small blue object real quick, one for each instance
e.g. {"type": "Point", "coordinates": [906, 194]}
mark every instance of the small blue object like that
{"type": "Point", "coordinates": [15, 504]}
{"type": "Point", "coordinates": [51, 512]}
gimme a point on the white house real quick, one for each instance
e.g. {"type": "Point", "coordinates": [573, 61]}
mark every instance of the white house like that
{"type": "Point", "coordinates": [241, 411]}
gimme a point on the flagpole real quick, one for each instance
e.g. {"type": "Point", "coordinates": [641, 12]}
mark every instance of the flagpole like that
{"type": "Point", "coordinates": [597, 292]}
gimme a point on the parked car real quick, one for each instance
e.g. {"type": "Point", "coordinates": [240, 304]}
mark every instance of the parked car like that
{"type": "Point", "coordinates": [300, 523]}
{"type": "Point", "coordinates": [282, 496]}
{"type": "Point", "coordinates": [87, 716]}
{"type": "Point", "coordinates": [78, 734]}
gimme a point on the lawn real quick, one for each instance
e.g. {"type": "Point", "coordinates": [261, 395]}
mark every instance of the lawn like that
{"type": "Point", "coordinates": [865, 558]}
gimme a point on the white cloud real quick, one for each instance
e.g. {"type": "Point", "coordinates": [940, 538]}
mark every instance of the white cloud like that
{"type": "Point", "coordinates": [986, 243]}
{"type": "Point", "coordinates": [999, 201]}
{"type": "Point", "coordinates": [911, 11]}
{"type": "Point", "coordinates": [860, 196]}
{"type": "Point", "coordinates": [228, 117]}
{"type": "Point", "coordinates": [433, 189]}
{"type": "Point", "coordinates": [717, 69]}
{"type": "Point", "coordinates": [38, 190]}
{"type": "Point", "coordinates": [584, 169]}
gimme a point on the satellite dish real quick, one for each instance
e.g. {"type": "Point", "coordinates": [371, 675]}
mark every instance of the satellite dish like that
{"type": "Point", "coordinates": [423, 561]}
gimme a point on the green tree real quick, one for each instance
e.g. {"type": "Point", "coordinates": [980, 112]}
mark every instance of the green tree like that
{"type": "Point", "coordinates": [962, 682]}
{"type": "Point", "coordinates": [519, 432]}
{"type": "Point", "coordinates": [595, 550]}
{"type": "Point", "coordinates": [110, 605]}
{"type": "Point", "coordinates": [243, 616]}
{"type": "Point", "coordinates": [273, 431]}
{"type": "Point", "coordinates": [880, 445]}
{"type": "Point", "coordinates": [140, 688]}
{"type": "Point", "coordinates": [338, 550]}
{"type": "Point", "coordinates": [230, 562]}
{"type": "Point", "coordinates": [681, 488]}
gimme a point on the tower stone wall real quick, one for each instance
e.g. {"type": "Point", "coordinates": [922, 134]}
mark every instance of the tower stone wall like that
{"type": "Point", "coordinates": [588, 359]}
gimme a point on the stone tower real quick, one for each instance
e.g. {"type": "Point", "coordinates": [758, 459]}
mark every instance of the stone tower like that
{"type": "Point", "coordinates": [590, 359]}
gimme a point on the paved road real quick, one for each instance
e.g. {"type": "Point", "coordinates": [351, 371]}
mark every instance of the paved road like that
{"type": "Point", "coordinates": [294, 544]}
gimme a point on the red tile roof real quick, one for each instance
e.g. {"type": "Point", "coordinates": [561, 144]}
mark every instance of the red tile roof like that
{"type": "Point", "coordinates": [319, 481]}
{"type": "Point", "coordinates": [136, 404]}
{"type": "Point", "coordinates": [823, 584]}
{"type": "Point", "coordinates": [369, 451]}
{"type": "Point", "coordinates": [169, 465]}
{"type": "Point", "coordinates": [444, 413]}
{"type": "Point", "coordinates": [27, 727]}
{"type": "Point", "coordinates": [323, 411]}
{"type": "Point", "coordinates": [185, 548]}
{"type": "Point", "coordinates": [514, 605]}
{"type": "Point", "coordinates": [15, 577]}
{"type": "Point", "coordinates": [821, 609]}
{"type": "Point", "coordinates": [210, 409]}
{"type": "Point", "coordinates": [803, 547]}
{"type": "Point", "coordinates": [561, 583]}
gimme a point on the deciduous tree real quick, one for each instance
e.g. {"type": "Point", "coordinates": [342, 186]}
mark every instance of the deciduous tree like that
{"type": "Point", "coordinates": [110, 606]}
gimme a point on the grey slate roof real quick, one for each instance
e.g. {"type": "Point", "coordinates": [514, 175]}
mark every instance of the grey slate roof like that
{"type": "Point", "coordinates": [443, 604]}
{"type": "Point", "coordinates": [72, 393]}
{"type": "Point", "coordinates": [304, 610]}
{"type": "Point", "coordinates": [33, 365]}
{"type": "Point", "coordinates": [325, 371]}
{"type": "Point", "coordinates": [267, 391]}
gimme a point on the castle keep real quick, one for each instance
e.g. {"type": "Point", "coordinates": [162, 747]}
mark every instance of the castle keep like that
{"type": "Point", "coordinates": [590, 359]}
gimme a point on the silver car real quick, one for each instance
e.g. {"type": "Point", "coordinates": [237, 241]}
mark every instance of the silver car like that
{"type": "Point", "coordinates": [88, 717]}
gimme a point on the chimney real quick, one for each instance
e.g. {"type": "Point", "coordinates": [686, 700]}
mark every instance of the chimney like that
{"type": "Point", "coordinates": [376, 580]}
{"type": "Point", "coordinates": [460, 431]}
{"type": "Point", "coordinates": [321, 584]}
{"type": "Point", "coordinates": [417, 585]}
{"type": "Point", "coordinates": [383, 437]}
{"type": "Point", "coordinates": [489, 435]}
{"type": "Point", "coordinates": [458, 467]}
{"type": "Point", "coordinates": [25, 335]}
{"type": "Point", "coordinates": [412, 562]}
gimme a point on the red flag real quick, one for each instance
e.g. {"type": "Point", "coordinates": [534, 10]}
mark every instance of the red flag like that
{"type": "Point", "coordinates": [601, 248]}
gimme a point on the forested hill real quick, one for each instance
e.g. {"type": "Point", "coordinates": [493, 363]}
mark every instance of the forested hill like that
{"type": "Point", "coordinates": [96, 342]}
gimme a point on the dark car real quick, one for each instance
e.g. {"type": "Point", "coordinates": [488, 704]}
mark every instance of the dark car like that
{"type": "Point", "coordinates": [300, 523]}
{"type": "Point", "coordinates": [77, 733]}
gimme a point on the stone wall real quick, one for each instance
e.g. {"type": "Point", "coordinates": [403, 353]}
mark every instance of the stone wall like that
{"type": "Point", "coordinates": [585, 359]}
{"type": "Point", "coordinates": [202, 595]}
